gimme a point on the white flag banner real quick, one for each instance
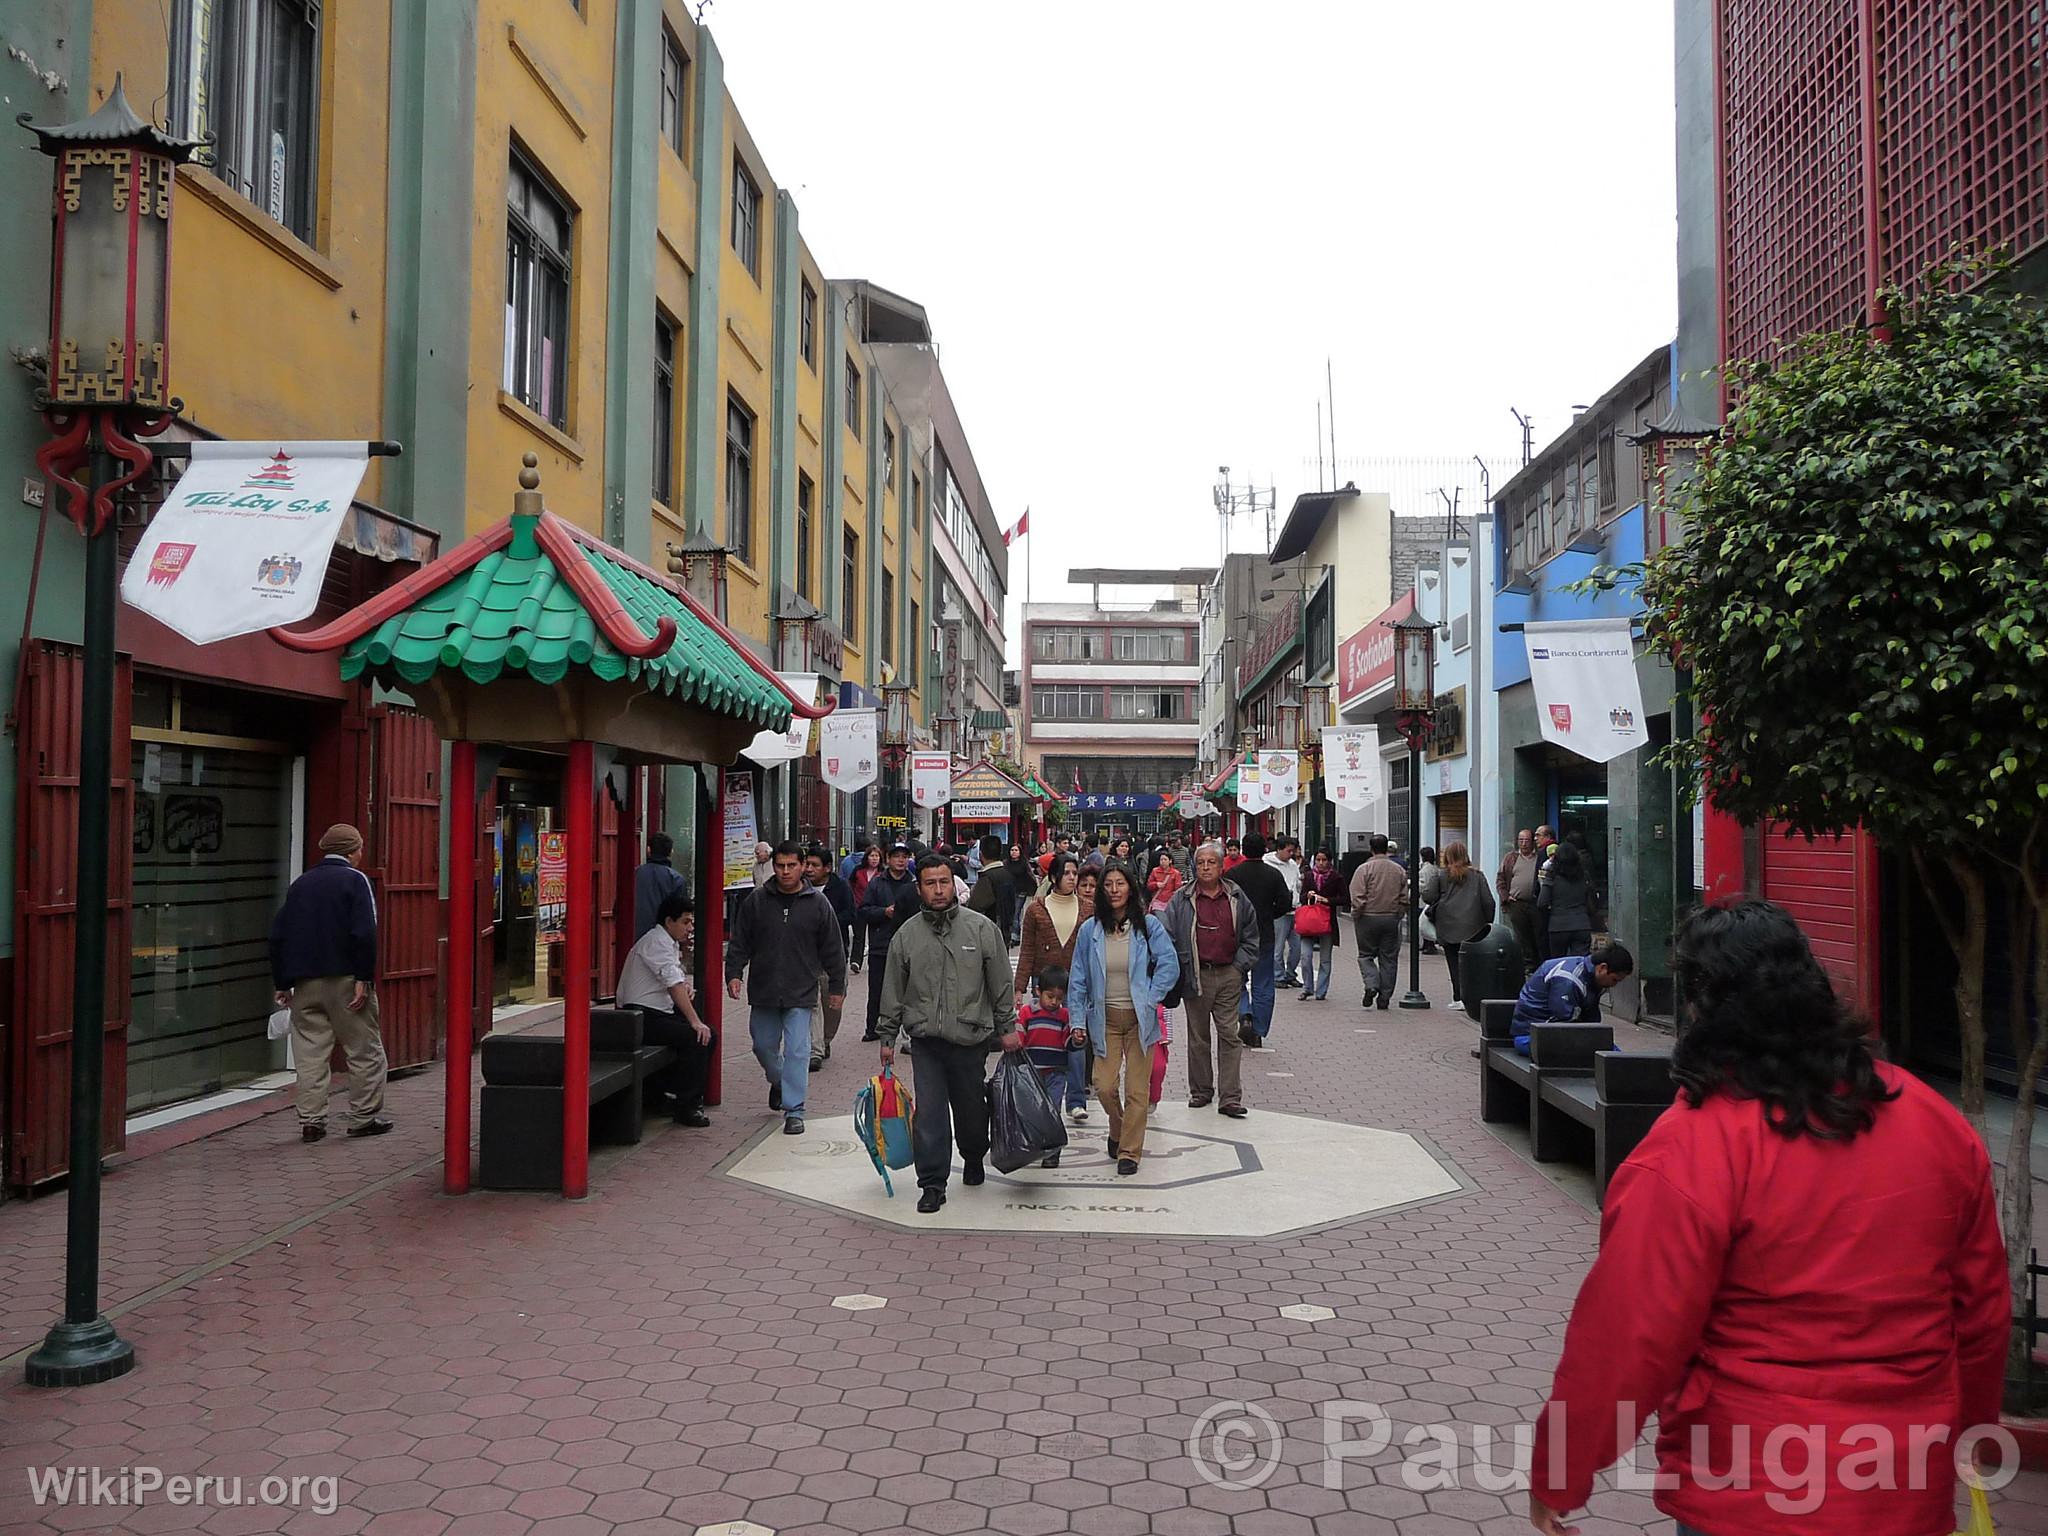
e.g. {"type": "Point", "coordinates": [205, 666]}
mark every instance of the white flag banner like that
{"type": "Point", "coordinates": [1588, 700]}
{"type": "Point", "coordinates": [931, 778]}
{"type": "Point", "coordinates": [771, 748]}
{"type": "Point", "coordinates": [1351, 769]}
{"type": "Point", "coordinates": [243, 539]}
{"type": "Point", "coordinates": [847, 759]}
{"type": "Point", "coordinates": [1251, 790]}
{"type": "Point", "coordinates": [1280, 777]}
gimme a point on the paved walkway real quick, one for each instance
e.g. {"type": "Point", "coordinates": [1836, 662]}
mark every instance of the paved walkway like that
{"type": "Point", "coordinates": [668, 1355]}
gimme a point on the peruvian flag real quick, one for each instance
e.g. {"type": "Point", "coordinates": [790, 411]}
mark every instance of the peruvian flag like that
{"type": "Point", "coordinates": [1023, 526]}
{"type": "Point", "coordinates": [1077, 780]}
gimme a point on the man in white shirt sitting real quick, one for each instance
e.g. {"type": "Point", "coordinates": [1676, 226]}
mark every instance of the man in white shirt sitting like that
{"type": "Point", "coordinates": [653, 980]}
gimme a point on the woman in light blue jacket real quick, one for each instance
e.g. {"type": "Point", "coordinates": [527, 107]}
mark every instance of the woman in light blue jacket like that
{"type": "Point", "coordinates": [1124, 966]}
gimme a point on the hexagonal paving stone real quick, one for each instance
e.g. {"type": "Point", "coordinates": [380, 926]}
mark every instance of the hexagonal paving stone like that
{"type": "Point", "coordinates": [1306, 1313]}
{"type": "Point", "coordinates": [859, 1303]}
{"type": "Point", "coordinates": [734, 1528]}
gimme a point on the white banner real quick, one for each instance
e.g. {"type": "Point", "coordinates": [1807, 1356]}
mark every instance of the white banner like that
{"type": "Point", "coordinates": [1251, 790]}
{"type": "Point", "coordinates": [1280, 775]}
{"type": "Point", "coordinates": [1351, 769]}
{"type": "Point", "coordinates": [847, 759]}
{"type": "Point", "coordinates": [931, 778]}
{"type": "Point", "coordinates": [243, 539]}
{"type": "Point", "coordinates": [771, 748]}
{"type": "Point", "coordinates": [1588, 700]}
{"type": "Point", "coordinates": [981, 810]}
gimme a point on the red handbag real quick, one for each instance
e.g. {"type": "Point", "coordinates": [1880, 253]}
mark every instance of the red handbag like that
{"type": "Point", "coordinates": [1313, 920]}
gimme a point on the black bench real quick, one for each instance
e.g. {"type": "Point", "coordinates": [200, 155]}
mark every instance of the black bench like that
{"type": "Point", "coordinates": [520, 1145]}
{"type": "Point", "coordinates": [1571, 1083]}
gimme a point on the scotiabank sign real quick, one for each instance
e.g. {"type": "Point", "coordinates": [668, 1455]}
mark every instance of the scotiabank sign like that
{"type": "Point", "coordinates": [1366, 660]}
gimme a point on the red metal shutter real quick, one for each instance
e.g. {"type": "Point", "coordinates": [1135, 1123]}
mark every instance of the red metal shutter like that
{"type": "Point", "coordinates": [404, 866]}
{"type": "Point", "coordinates": [1829, 886]}
{"type": "Point", "coordinates": [45, 915]}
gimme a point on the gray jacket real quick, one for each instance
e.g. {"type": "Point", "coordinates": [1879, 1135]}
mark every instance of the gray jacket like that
{"type": "Point", "coordinates": [947, 978]}
{"type": "Point", "coordinates": [1463, 909]}
{"type": "Point", "coordinates": [1179, 918]}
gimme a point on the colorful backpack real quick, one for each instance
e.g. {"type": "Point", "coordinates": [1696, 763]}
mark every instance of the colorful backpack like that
{"type": "Point", "coordinates": [881, 1119]}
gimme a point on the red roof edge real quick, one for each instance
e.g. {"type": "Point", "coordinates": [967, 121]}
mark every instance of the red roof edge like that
{"type": "Point", "coordinates": [395, 599]}
{"type": "Point", "coordinates": [599, 600]}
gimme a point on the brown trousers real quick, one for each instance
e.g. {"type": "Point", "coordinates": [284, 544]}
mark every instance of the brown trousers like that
{"type": "Point", "coordinates": [320, 1017]}
{"type": "Point", "coordinates": [1216, 1008]}
{"type": "Point", "coordinates": [1123, 1081]}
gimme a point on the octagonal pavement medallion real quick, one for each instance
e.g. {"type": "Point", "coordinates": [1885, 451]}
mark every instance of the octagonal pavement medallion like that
{"type": "Point", "coordinates": [1202, 1176]}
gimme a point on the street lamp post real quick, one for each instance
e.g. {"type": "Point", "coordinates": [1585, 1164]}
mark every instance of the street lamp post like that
{"type": "Point", "coordinates": [1414, 708]}
{"type": "Point", "coordinates": [108, 385]}
{"type": "Point", "coordinates": [1315, 719]}
{"type": "Point", "coordinates": [895, 739]}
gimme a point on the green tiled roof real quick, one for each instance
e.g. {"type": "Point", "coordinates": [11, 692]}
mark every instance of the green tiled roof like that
{"type": "Point", "coordinates": [513, 611]}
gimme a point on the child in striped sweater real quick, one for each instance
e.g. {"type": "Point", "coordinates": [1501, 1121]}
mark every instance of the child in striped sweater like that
{"type": "Point", "coordinates": [1049, 1036]}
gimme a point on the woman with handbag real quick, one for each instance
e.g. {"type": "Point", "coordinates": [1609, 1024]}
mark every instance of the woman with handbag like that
{"type": "Point", "coordinates": [1315, 924]}
{"type": "Point", "coordinates": [1163, 881]}
{"type": "Point", "coordinates": [1124, 967]}
{"type": "Point", "coordinates": [1463, 909]}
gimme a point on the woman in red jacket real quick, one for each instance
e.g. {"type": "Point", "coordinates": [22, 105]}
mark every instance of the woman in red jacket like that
{"type": "Point", "coordinates": [1800, 1272]}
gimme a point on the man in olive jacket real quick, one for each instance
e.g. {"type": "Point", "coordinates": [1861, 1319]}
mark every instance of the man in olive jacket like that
{"type": "Point", "coordinates": [946, 984]}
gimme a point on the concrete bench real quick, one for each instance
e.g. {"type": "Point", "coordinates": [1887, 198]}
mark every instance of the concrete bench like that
{"type": "Point", "coordinates": [520, 1143]}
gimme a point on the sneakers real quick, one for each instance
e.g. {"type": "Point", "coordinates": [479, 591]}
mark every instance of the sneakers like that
{"type": "Point", "coordinates": [312, 1130]}
{"type": "Point", "coordinates": [974, 1175]}
{"type": "Point", "coordinates": [854, 965]}
{"type": "Point", "coordinates": [377, 1127]}
{"type": "Point", "coordinates": [793, 1125]}
{"type": "Point", "coordinates": [1126, 1166]}
{"type": "Point", "coordinates": [1078, 1114]}
{"type": "Point", "coordinates": [775, 1095]}
{"type": "Point", "coordinates": [931, 1200]}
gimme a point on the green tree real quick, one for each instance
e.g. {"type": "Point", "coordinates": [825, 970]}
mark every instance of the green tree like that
{"type": "Point", "coordinates": [1862, 599]}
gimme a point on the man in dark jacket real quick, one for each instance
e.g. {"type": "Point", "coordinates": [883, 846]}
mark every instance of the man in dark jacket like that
{"type": "Point", "coordinates": [784, 937]}
{"type": "Point", "coordinates": [323, 962]}
{"type": "Point", "coordinates": [1268, 892]}
{"type": "Point", "coordinates": [1215, 928]}
{"type": "Point", "coordinates": [654, 882]}
{"type": "Point", "coordinates": [888, 902]}
{"type": "Point", "coordinates": [993, 894]}
{"type": "Point", "coordinates": [825, 1013]}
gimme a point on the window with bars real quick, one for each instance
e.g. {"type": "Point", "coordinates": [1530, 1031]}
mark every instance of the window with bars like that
{"type": "Point", "coordinates": [675, 75]}
{"type": "Point", "coordinates": [539, 229]}
{"type": "Point", "coordinates": [246, 74]}
{"type": "Point", "coordinates": [807, 325]}
{"type": "Point", "coordinates": [885, 618]}
{"type": "Point", "coordinates": [849, 584]}
{"type": "Point", "coordinates": [852, 398]}
{"type": "Point", "coordinates": [889, 456]}
{"type": "Point", "coordinates": [805, 493]}
{"type": "Point", "coordinates": [746, 217]}
{"type": "Point", "coordinates": [664, 410]}
{"type": "Point", "coordinates": [739, 480]}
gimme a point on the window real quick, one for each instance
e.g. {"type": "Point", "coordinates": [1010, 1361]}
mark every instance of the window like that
{"type": "Point", "coordinates": [1574, 509]}
{"type": "Point", "coordinates": [852, 398]}
{"type": "Point", "coordinates": [248, 77]}
{"type": "Point", "coordinates": [916, 501]}
{"type": "Point", "coordinates": [1147, 645]}
{"type": "Point", "coordinates": [805, 492]}
{"type": "Point", "coordinates": [1603, 471]}
{"type": "Point", "coordinates": [664, 410]}
{"type": "Point", "coordinates": [807, 325]}
{"type": "Point", "coordinates": [1154, 703]}
{"type": "Point", "coordinates": [1066, 701]}
{"type": "Point", "coordinates": [674, 81]}
{"type": "Point", "coordinates": [538, 227]}
{"type": "Point", "coordinates": [1068, 645]}
{"type": "Point", "coordinates": [885, 618]}
{"type": "Point", "coordinates": [746, 216]}
{"type": "Point", "coordinates": [849, 584]}
{"type": "Point", "coordinates": [889, 456]}
{"type": "Point", "coordinates": [739, 480]}
{"type": "Point", "coordinates": [913, 644]}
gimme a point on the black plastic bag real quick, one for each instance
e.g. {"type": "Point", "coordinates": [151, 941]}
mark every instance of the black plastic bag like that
{"type": "Point", "coordinates": [1024, 1124]}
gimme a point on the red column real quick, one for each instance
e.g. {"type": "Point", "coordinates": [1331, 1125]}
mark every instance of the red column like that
{"type": "Point", "coordinates": [580, 823]}
{"type": "Point", "coordinates": [459, 993]}
{"type": "Point", "coordinates": [711, 926]}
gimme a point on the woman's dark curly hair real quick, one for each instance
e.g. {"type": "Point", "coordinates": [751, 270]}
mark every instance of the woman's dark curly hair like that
{"type": "Point", "coordinates": [1764, 1023]}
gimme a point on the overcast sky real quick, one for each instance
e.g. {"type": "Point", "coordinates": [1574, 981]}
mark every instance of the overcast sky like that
{"type": "Point", "coordinates": [1139, 227]}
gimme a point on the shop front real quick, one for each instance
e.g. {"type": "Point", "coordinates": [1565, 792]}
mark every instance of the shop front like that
{"type": "Point", "coordinates": [987, 802]}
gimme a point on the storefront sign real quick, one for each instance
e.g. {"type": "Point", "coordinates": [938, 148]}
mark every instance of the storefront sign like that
{"type": "Point", "coordinates": [828, 646]}
{"type": "Point", "coordinates": [931, 778]}
{"type": "Point", "coordinates": [741, 833]}
{"type": "Point", "coordinates": [893, 823]}
{"type": "Point", "coordinates": [981, 810]}
{"type": "Point", "coordinates": [1366, 661]}
{"type": "Point", "coordinates": [770, 748]}
{"type": "Point", "coordinates": [1280, 774]}
{"type": "Point", "coordinates": [1588, 699]}
{"type": "Point", "coordinates": [985, 781]}
{"type": "Point", "coordinates": [554, 886]}
{"type": "Point", "coordinates": [1351, 769]}
{"type": "Point", "coordinates": [847, 757]}
{"type": "Point", "coordinates": [1447, 727]}
{"type": "Point", "coordinates": [243, 539]}
{"type": "Point", "coordinates": [1115, 802]}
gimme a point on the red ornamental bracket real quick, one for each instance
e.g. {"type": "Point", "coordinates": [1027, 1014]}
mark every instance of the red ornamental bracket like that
{"type": "Point", "coordinates": [70, 449]}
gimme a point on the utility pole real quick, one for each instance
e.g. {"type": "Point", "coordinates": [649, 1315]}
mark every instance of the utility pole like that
{"type": "Point", "coordinates": [1528, 436]}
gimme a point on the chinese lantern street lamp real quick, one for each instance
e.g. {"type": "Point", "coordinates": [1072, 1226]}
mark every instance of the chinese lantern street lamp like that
{"type": "Point", "coordinates": [1288, 712]}
{"type": "Point", "coordinates": [108, 385]}
{"type": "Point", "coordinates": [700, 563]}
{"type": "Point", "coordinates": [895, 739]}
{"type": "Point", "coordinates": [1414, 710]}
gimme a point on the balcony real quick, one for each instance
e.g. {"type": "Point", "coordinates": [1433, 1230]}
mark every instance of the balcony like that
{"type": "Point", "coordinates": [1273, 640]}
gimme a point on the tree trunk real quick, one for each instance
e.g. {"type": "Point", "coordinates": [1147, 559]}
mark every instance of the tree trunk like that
{"type": "Point", "coordinates": [2030, 1052]}
{"type": "Point", "coordinates": [1965, 929]}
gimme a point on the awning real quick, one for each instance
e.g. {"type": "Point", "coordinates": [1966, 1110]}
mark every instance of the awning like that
{"type": "Point", "coordinates": [1225, 783]}
{"type": "Point", "coordinates": [985, 781]}
{"type": "Point", "coordinates": [989, 720]}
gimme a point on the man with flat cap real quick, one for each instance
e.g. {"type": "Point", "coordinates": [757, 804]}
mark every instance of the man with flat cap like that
{"type": "Point", "coordinates": [323, 959]}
